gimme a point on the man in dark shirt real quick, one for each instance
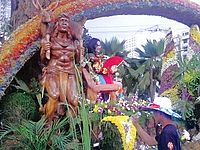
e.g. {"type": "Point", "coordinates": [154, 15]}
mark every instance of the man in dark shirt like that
{"type": "Point", "coordinates": [168, 138]}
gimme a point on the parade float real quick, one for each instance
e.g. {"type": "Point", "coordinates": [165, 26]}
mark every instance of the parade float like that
{"type": "Point", "coordinates": [94, 116]}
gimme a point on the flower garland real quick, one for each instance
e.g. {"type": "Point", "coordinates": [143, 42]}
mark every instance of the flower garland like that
{"type": "Point", "coordinates": [126, 130]}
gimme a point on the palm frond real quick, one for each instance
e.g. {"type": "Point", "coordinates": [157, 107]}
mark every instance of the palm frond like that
{"type": "Point", "coordinates": [36, 136]}
{"type": "Point", "coordinates": [113, 46]}
{"type": "Point", "coordinates": [144, 82]}
{"type": "Point", "coordinates": [21, 85]}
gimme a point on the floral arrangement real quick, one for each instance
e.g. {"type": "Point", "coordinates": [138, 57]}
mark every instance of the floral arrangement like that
{"type": "Point", "coordinates": [126, 130]}
{"type": "Point", "coordinates": [21, 40]}
{"type": "Point", "coordinates": [194, 33]}
{"type": "Point", "coordinates": [169, 87]}
{"type": "Point", "coordinates": [194, 41]}
{"type": "Point", "coordinates": [172, 93]}
{"type": "Point", "coordinates": [119, 107]}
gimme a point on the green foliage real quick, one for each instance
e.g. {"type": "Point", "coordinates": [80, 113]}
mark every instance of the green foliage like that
{"type": "Point", "coordinates": [37, 136]}
{"type": "Point", "coordinates": [111, 137]}
{"type": "Point", "coordinates": [113, 46]}
{"type": "Point", "coordinates": [188, 77]}
{"type": "Point", "coordinates": [86, 136]}
{"type": "Point", "coordinates": [20, 103]}
{"type": "Point", "coordinates": [17, 106]}
{"type": "Point", "coordinates": [188, 73]}
{"type": "Point", "coordinates": [193, 86]}
{"type": "Point", "coordinates": [145, 71]}
{"type": "Point", "coordinates": [187, 109]}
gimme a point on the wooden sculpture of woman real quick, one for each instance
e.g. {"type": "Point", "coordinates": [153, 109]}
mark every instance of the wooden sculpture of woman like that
{"type": "Point", "coordinates": [60, 50]}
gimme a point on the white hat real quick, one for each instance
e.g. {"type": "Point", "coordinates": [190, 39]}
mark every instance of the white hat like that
{"type": "Point", "coordinates": [162, 104]}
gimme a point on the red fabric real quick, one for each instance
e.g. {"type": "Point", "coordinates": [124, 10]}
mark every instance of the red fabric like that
{"type": "Point", "coordinates": [115, 60]}
{"type": "Point", "coordinates": [154, 106]}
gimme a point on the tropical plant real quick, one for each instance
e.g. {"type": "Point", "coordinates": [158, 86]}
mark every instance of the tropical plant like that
{"type": "Point", "coordinates": [20, 102]}
{"type": "Point", "coordinates": [188, 75]}
{"type": "Point", "coordinates": [113, 47]}
{"type": "Point", "coordinates": [37, 136]}
{"type": "Point", "coordinates": [18, 106]}
{"type": "Point", "coordinates": [109, 131]}
{"type": "Point", "coordinates": [147, 73]}
{"type": "Point", "coordinates": [188, 79]}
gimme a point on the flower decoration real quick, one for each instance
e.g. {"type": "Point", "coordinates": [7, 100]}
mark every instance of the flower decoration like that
{"type": "Point", "coordinates": [168, 86]}
{"type": "Point", "coordinates": [21, 39]}
{"type": "Point", "coordinates": [126, 129]}
{"type": "Point", "coordinates": [172, 93]}
{"type": "Point", "coordinates": [195, 34]}
{"type": "Point", "coordinates": [120, 106]}
{"type": "Point", "coordinates": [170, 55]}
{"type": "Point", "coordinates": [194, 40]}
{"type": "Point", "coordinates": [185, 136]}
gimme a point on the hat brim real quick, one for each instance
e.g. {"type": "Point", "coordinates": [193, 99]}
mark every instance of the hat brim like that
{"type": "Point", "coordinates": [166, 111]}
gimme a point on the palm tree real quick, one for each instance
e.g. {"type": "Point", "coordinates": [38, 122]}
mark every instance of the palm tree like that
{"type": "Point", "coordinates": [148, 72]}
{"type": "Point", "coordinates": [113, 47]}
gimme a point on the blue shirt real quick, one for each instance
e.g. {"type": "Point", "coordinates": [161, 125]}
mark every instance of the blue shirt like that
{"type": "Point", "coordinates": [169, 137]}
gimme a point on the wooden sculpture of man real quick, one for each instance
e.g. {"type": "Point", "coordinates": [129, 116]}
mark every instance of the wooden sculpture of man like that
{"type": "Point", "coordinates": [61, 50]}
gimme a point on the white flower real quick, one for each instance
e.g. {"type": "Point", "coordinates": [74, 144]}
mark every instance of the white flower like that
{"type": "Point", "coordinates": [186, 135]}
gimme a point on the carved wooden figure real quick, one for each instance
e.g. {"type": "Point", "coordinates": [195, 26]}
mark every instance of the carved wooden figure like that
{"type": "Point", "coordinates": [61, 50]}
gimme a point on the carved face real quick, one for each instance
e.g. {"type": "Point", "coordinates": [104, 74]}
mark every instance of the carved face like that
{"type": "Point", "coordinates": [63, 24]}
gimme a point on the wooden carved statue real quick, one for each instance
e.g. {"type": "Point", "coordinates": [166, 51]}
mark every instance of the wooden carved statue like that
{"type": "Point", "coordinates": [59, 78]}
{"type": "Point", "coordinates": [61, 48]}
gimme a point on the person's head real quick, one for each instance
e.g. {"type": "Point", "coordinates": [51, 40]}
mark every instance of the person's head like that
{"type": "Point", "coordinates": [94, 46]}
{"type": "Point", "coordinates": [63, 22]}
{"type": "Point", "coordinates": [162, 109]}
{"type": "Point", "coordinates": [160, 116]}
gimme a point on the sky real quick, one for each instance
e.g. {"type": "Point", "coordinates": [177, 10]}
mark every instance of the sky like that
{"type": "Point", "coordinates": [126, 26]}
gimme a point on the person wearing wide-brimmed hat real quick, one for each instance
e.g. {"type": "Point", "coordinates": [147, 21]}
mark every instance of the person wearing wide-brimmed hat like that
{"type": "Point", "coordinates": [168, 139]}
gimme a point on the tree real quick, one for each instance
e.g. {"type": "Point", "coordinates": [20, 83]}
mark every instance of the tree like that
{"type": "Point", "coordinates": [113, 47]}
{"type": "Point", "coordinates": [147, 71]}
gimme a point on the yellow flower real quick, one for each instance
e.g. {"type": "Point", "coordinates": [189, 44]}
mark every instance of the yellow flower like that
{"type": "Point", "coordinates": [194, 31]}
{"type": "Point", "coordinates": [187, 77]}
{"type": "Point", "coordinates": [109, 112]}
{"type": "Point", "coordinates": [171, 93]}
{"type": "Point", "coordinates": [171, 54]}
{"type": "Point", "coordinates": [106, 106]}
{"type": "Point", "coordinates": [121, 122]}
{"type": "Point", "coordinates": [95, 108]}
